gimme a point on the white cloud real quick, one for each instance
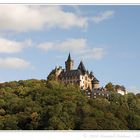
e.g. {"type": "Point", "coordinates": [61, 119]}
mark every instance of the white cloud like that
{"type": "Point", "coordinates": [24, 18]}
{"type": "Point", "coordinates": [94, 53]}
{"type": "Point", "coordinates": [103, 16]}
{"type": "Point", "coordinates": [76, 46]}
{"type": "Point", "coordinates": [47, 46]}
{"type": "Point", "coordinates": [11, 46]}
{"type": "Point", "coordinates": [72, 45]}
{"type": "Point", "coordinates": [13, 63]}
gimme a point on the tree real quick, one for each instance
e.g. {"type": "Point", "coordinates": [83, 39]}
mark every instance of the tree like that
{"type": "Point", "coordinates": [8, 122]}
{"type": "Point", "coordinates": [131, 101]}
{"type": "Point", "coordinates": [100, 103]}
{"type": "Point", "coordinates": [133, 121]}
{"type": "Point", "coordinates": [110, 87]}
{"type": "Point", "coordinates": [89, 123]}
{"type": "Point", "coordinates": [40, 104]}
{"type": "Point", "coordinates": [138, 95]}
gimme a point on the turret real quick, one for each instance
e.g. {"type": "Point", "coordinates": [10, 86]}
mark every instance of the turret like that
{"type": "Point", "coordinates": [69, 63]}
{"type": "Point", "coordinates": [95, 83]}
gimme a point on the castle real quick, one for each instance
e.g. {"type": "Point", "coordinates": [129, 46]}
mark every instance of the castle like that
{"type": "Point", "coordinates": [80, 76]}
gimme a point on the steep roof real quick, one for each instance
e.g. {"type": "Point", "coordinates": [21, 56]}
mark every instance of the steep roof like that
{"type": "Point", "coordinates": [82, 68]}
{"type": "Point", "coordinates": [70, 73]}
{"type": "Point", "coordinates": [95, 81]}
{"type": "Point", "coordinates": [69, 58]}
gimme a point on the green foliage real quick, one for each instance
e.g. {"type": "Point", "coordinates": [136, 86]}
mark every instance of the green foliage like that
{"type": "Point", "coordinates": [110, 87]}
{"type": "Point", "coordinates": [8, 122]}
{"type": "Point", "coordinates": [133, 121]}
{"type": "Point", "coordinates": [50, 105]}
{"type": "Point", "coordinates": [88, 123]}
{"type": "Point", "coordinates": [138, 95]}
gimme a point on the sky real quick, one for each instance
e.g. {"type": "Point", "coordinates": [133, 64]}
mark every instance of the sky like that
{"type": "Point", "coordinates": [34, 39]}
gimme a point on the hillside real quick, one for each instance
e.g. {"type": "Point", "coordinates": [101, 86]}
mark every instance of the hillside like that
{"type": "Point", "coordinates": [49, 105]}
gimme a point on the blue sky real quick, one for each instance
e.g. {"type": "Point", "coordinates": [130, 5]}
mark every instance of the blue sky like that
{"type": "Point", "coordinates": [34, 39]}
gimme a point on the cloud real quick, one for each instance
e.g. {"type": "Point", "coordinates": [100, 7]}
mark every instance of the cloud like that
{"type": "Point", "coordinates": [47, 46]}
{"type": "Point", "coordinates": [22, 18]}
{"type": "Point", "coordinates": [72, 45]}
{"type": "Point", "coordinates": [11, 46]}
{"type": "Point", "coordinates": [103, 16]}
{"type": "Point", "coordinates": [76, 46]}
{"type": "Point", "coordinates": [93, 53]}
{"type": "Point", "coordinates": [13, 63]}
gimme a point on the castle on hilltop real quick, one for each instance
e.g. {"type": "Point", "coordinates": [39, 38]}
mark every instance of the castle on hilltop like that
{"type": "Point", "coordinates": [80, 76]}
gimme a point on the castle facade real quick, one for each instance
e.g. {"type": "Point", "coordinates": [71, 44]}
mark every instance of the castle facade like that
{"type": "Point", "coordinates": [80, 76]}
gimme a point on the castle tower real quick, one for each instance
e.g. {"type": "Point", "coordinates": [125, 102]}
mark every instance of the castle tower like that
{"type": "Point", "coordinates": [95, 83]}
{"type": "Point", "coordinates": [69, 63]}
{"type": "Point", "coordinates": [82, 67]}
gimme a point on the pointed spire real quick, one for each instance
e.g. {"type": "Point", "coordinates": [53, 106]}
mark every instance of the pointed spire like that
{"type": "Point", "coordinates": [69, 58]}
{"type": "Point", "coordinates": [82, 67]}
{"type": "Point", "coordinates": [69, 63]}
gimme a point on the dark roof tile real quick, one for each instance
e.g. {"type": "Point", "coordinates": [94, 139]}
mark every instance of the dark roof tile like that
{"type": "Point", "coordinates": [70, 73]}
{"type": "Point", "coordinates": [82, 68]}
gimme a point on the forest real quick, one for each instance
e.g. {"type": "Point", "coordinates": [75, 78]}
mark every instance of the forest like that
{"type": "Point", "coordinates": [50, 105]}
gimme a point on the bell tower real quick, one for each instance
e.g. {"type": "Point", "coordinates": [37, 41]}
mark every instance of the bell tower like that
{"type": "Point", "coordinates": [69, 63]}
